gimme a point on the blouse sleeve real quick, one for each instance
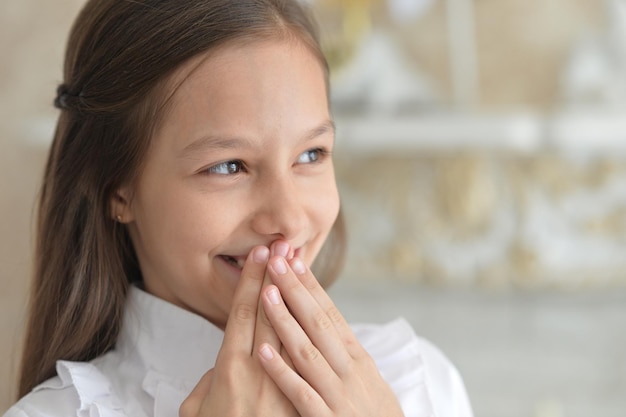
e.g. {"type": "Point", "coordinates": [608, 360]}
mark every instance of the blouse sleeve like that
{"type": "Point", "coordinates": [426, 383]}
{"type": "Point", "coordinates": [447, 388]}
{"type": "Point", "coordinates": [15, 412]}
{"type": "Point", "coordinates": [78, 390]}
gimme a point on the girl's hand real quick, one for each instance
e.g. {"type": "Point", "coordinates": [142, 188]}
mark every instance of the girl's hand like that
{"type": "Point", "coordinates": [334, 375]}
{"type": "Point", "coordinates": [238, 386]}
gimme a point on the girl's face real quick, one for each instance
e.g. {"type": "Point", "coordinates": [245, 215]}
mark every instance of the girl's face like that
{"type": "Point", "coordinates": [242, 159]}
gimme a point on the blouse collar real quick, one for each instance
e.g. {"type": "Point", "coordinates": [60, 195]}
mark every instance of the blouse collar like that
{"type": "Point", "coordinates": [167, 339]}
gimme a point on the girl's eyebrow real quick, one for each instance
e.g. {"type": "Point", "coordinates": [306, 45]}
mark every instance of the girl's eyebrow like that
{"type": "Point", "coordinates": [326, 127]}
{"type": "Point", "coordinates": [211, 142]}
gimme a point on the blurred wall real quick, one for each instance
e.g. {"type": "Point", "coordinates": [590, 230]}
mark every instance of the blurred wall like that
{"type": "Point", "coordinates": [521, 183]}
{"type": "Point", "coordinates": [32, 36]}
{"type": "Point", "coordinates": [521, 45]}
{"type": "Point", "coordinates": [492, 220]}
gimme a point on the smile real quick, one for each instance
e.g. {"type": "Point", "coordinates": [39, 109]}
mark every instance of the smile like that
{"type": "Point", "coordinates": [239, 261]}
{"type": "Point", "coordinates": [234, 261]}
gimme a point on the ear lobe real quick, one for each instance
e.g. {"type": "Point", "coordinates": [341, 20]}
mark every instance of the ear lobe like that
{"type": "Point", "coordinates": [120, 206]}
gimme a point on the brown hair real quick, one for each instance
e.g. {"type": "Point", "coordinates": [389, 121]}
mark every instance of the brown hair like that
{"type": "Point", "coordinates": [119, 56]}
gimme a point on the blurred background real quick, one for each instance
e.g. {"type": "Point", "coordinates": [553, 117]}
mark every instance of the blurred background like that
{"type": "Point", "coordinates": [481, 157]}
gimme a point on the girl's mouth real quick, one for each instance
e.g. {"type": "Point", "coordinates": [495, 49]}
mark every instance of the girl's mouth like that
{"type": "Point", "coordinates": [239, 261]}
{"type": "Point", "coordinates": [236, 262]}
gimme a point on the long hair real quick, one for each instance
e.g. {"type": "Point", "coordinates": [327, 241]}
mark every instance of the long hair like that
{"type": "Point", "coordinates": [119, 56]}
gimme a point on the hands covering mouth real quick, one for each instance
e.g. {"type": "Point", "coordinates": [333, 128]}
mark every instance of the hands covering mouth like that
{"type": "Point", "coordinates": [280, 248]}
{"type": "Point", "coordinates": [288, 351]}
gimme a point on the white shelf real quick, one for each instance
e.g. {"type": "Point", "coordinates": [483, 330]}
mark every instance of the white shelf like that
{"type": "Point", "coordinates": [516, 132]}
{"type": "Point", "coordinates": [440, 132]}
{"type": "Point", "coordinates": [589, 132]}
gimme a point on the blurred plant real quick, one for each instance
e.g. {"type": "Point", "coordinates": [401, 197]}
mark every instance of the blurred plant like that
{"type": "Point", "coordinates": [356, 21]}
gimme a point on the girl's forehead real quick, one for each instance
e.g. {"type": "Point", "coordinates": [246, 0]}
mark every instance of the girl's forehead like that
{"type": "Point", "coordinates": [244, 74]}
{"type": "Point", "coordinates": [227, 56]}
{"type": "Point", "coordinates": [262, 89]}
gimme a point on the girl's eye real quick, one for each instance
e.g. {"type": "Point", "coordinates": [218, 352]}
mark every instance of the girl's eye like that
{"type": "Point", "coordinates": [226, 168]}
{"type": "Point", "coordinates": [311, 156]}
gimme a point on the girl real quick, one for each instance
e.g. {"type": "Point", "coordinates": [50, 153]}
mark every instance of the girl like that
{"type": "Point", "coordinates": [188, 190]}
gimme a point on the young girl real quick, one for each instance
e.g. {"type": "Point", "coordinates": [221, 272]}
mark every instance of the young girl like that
{"type": "Point", "coordinates": [188, 191]}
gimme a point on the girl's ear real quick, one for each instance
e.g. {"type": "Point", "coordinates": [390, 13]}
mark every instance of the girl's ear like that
{"type": "Point", "coordinates": [121, 209]}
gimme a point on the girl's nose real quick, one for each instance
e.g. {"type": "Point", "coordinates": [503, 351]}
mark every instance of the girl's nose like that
{"type": "Point", "coordinates": [280, 210]}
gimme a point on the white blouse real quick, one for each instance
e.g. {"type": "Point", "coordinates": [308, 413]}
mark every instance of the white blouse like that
{"type": "Point", "coordinates": [163, 351]}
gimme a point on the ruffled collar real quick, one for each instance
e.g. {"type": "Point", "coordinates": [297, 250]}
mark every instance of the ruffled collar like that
{"type": "Point", "coordinates": [175, 347]}
{"type": "Point", "coordinates": [171, 341]}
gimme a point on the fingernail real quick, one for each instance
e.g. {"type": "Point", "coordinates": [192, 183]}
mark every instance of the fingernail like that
{"type": "Point", "coordinates": [266, 353]}
{"type": "Point", "coordinates": [280, 266]}
{"type": "Point", "coordinates": [274, 296]}
{"type": "Point", "coordinates": [281, 249]}
{"type": "Point", "coordinates": [260, 255]}
{"type": "Point", "coordinates": [298, 266]}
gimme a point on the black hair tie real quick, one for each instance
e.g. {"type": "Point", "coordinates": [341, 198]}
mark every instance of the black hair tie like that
{"type": "Point", "coordinates": [64, 98]}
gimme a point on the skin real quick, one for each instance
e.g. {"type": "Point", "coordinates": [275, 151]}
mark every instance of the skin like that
{"type": "Point", "coordinates": [240, 173]}
{"type": "Point", "coordinates": [246, 109]}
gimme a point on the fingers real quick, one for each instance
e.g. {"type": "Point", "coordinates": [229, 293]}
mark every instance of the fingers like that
{"type": "Point", "coordinates": [332, 378]}
{"type": "Point", "coordinates": [315, 313]}
{"type": "Point", "coordinates": [193, 403]}
{"type": "Point", "coordinates": [307, 358]}
{"type": "Point", "coordinates": [303, 397]}
{"type": "Point", "coordinates": [264, 333]}
{"type": "Point", "coordinates": [310, 282]}
{"type": "Point", "coordinates": [240, 328]}
{"type": "Point", "coordinates": [282, 248]}
{"type": "Point", "coordinates": [299, 338]}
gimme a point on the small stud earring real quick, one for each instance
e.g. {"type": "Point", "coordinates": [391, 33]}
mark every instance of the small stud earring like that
{"type": "Point", "coordinates": [118, 218]}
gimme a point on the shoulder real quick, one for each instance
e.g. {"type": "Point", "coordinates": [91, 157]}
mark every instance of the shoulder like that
{"type": "Point", "coordinates": [50, 399]}
{"type": "Point", "coordinates": [78, 389]}
{"type": "Point", "coordinates": [424, 379]}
